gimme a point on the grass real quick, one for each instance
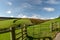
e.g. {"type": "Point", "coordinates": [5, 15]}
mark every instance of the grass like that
{"type": "Point", "coordinates": [5, 36]}
{"type": "Point", "coordinates": [40, 30]}
{"type": "Point", "coordinates": [23, 21]}
{"type": "Point", "coordinates": [8, 23]}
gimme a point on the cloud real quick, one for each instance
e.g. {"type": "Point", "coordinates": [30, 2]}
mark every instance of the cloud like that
{"type": "Point", "coordinates": [11, 16]}
{"type": "Point", "coordinates": [33, 16]}
{"type": "Point", "coordinates": [53, 17]}
{"type": "Point", "coordinates": [22, 16]}
{"type": "Point", "coordinates": [53, 2]}
{"type": "Point", "coordinates": [8, 12]}
{"type": "Point", "coordinates": [48, 9]}
{"type": "Point", "coordinates": [9, 3]}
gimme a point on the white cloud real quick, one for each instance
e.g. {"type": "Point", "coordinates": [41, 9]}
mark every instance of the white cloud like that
{"type": "Point", "coordinates": [53, 17]}
{"type": "Point", "coordinates": [11, 16]}
{"type": "Point", "coordinates": [22, 16]}
{"type": "Point", "coordinates": [8, 12]}
{"type": "Point", "coordinates": [9, 3]}
{"type": "Point", "coordinates": [34, 16]}
{"type": "Point", "coordinates": [25, 16]}
{"type": "Point", "coordinates": [53, 2]}
{"type": "Point", "coordinates": [48, 9]}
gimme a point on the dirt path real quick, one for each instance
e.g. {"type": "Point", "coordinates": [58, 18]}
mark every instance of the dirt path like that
{"type": "Point", "coordinates": [57, 37]}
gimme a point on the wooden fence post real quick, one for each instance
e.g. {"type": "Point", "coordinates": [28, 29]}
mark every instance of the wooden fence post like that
{"type": "Point", "coordinates": [58, 25]}
{"type": "Point", "coordinates": [22, 32]}
{"type": "Point", "coordinates": [25, 31]}
{"type": "Point", "coordinates": [13, 33]}
{"type": "Point", "coordinates": [51, 27]}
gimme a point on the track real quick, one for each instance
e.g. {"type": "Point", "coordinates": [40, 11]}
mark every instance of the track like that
{"type": "Point", "coordinates": [57, 36]}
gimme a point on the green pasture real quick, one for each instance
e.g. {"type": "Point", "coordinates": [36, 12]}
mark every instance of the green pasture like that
{"type": "Point", "coordinates": [36, 31]}
{"type": "Point", "coordinates": [7, 36]}
{"type": "Point", "coordinates": [8, 24]}
{"type": "Point", "coordinates": [42, 30]}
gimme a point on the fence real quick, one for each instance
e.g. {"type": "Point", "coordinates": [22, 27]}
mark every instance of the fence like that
{"type": "Point", "coordinates": [54, 27]}
{"type": "Point", "coordinates": [40, 38]}
{"type": "Point", "coordinates": [23, 33]}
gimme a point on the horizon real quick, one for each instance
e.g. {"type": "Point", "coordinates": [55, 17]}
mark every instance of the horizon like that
{"type": "Point", "coordinates": [28, 18]}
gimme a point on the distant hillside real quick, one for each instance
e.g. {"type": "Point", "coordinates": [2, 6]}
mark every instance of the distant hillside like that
{"type": "Point", "coordinates": [6, 18]}
{"type": "Point", "coordinates": [33, 20]}
{"type": "Point", "coordinates": [37, 21]}
{"type": "Point", "coordinates": [44, 29]}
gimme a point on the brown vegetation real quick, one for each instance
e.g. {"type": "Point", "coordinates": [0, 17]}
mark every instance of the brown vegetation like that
{"type": "Point", "coordinates": [37, 21]}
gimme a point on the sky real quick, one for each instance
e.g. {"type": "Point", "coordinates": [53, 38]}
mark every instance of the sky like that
{"type": "Point", "coordinates": [42, 9]}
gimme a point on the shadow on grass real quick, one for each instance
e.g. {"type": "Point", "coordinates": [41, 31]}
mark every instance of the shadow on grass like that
{"type": "Point", "coordinates": [57, 29]}
{"type": "Point", "coordinates": [44, 38]}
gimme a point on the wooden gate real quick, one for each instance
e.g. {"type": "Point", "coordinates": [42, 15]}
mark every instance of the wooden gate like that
{"type": "Point", "coordinates": [23, 33]}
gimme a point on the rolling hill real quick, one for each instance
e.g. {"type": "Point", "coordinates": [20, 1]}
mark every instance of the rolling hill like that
{"type": "Point", "coordinates": [7, 22]}
{"type": "Point", "coordinates": [40, 27]}
{"type": "Point", "coordinates": [43, 29]}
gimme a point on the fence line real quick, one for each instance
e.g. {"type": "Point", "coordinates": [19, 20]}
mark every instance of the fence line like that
{"type": "Point", "coordinates": [23, 32]}
{"type": "Point", "coordinates": [55, 26]}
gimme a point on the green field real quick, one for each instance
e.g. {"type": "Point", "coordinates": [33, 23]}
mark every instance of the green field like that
{"type": "Point", "coordinates": [7, 36]}
{"type": "Point", "coordinates": [8, 24]}
{"type": "Point", "coordinates": [42, 30]}
{"type": "Point", "coordinates": [36, 31]}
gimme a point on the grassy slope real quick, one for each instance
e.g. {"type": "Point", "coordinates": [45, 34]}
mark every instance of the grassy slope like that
{"type": "Point", "coordinates": [23, 21]}
{"type": "Point", "coordinates": [37, 21]}
{"type": "Point", "coordinates": [8, 23]}
{"type": "Point", "coordinates": [42, 30]}
{"type": "Point", "coordinates": [7, 36]}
